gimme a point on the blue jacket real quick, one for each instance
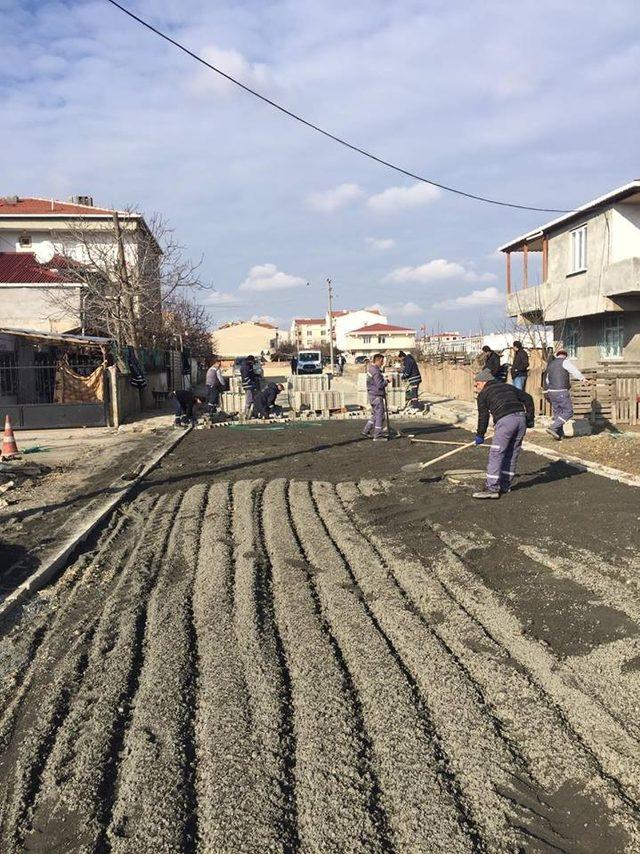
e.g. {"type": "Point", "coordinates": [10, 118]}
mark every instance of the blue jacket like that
{"type": "Point", "coordinates": [376, 383]}
{"type": "Point", "coordinates": [248, 377]}
{"type": "Point", "coordinates": [410, 370]}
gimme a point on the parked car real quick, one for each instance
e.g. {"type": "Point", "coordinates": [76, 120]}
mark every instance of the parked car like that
{"type": "Point", "coordinates": [360, 360]}
{"type": "Point", "coordinates": [309, 362]}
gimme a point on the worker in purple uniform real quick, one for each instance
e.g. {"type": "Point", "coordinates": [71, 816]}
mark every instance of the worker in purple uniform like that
{"type": "Point", "coordinates": [376, 388]}
{"type": "Point", "coordinates": [512, 411]}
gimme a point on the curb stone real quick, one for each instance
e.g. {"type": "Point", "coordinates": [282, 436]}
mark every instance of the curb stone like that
{"type": "Point", "coordinates": [53, 562]}
{"type": "Point", "coordinates": [584, 465]}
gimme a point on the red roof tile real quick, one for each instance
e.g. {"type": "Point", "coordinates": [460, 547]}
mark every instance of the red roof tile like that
{"type": "Point", "coordinates": [42, 207]}
{"type": "Point", "coordinates": [22, 268]}
{"type": "Point", "coordinates": [381, 327]}
{"type": "Point", "coordinates": [309, 321]}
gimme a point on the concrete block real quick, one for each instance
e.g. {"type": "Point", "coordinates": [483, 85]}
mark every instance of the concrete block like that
{"type": "Point", "coordinates": [314, 382]}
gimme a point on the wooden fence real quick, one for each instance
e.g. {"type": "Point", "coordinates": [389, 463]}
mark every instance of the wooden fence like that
{"type": "Point", "coordinates": [604, 398]}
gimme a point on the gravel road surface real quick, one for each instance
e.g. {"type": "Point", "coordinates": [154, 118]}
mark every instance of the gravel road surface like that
{"type": "Point", "coordinates": [278, 665]}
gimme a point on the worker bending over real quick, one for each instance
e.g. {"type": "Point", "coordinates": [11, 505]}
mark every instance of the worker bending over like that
{"type": "Point", "coordinates": [512, 411]}
{"type": "Point", "coordinates": [250, 384]}
{"type": "Point", "coordinates": [184, 402]}
{"type": "Point", "coordinates": [376, 389]}
{"type": "Point", "coordinates": [411, 373]}
{"type": "Point", "coordinates": [557, 383]}
{"type": "Point", "coordinates": [264, 402]}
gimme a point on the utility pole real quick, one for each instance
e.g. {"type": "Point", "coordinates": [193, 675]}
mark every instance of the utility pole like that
{"type": "Point", "coordinates": [330, 290]}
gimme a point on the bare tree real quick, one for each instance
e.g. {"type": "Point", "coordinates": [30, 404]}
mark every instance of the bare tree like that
{"type": "Point", "coordinates": [185, 319]}
{"type": "Point", "coordinates": [126, 273]}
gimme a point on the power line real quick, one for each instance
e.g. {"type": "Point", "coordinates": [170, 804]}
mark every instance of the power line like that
{"type": "Point", "coordinates": [322, 131]}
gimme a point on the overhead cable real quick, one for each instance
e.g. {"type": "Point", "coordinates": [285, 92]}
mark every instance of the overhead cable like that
{"type": "Point", "coordinates": [324, 132]}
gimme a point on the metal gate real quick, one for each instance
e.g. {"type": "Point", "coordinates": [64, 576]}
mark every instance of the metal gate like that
{"type": "Point", "coordinates": [27, 394]}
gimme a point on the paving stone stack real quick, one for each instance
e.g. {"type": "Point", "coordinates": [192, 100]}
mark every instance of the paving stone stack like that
{"type": "Point", "coordinates": [315, 382]}
{"type": "Point", "coordinates": [234, 384]}
{"type": "Point", "coordinates": [396, 390]}
{"type": "Point", "coordinates": [317, 401]}
{"type": "Point", "coordinates": [232, 401]}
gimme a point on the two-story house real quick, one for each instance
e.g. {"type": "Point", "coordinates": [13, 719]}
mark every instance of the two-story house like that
{"type": "Point", "coordinates": [580, 273]}
{"type": "Point", "coordinates": [74, 234]}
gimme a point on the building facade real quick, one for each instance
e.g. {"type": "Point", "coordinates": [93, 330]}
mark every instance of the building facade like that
{"type": "Point", "coordinates": [308, 332]}
{"type": "Point", "coordinates": [244, 338]}
{"type": "Point", "coordinates": [380, 338]}
{"type": "Point", "coordinates": [581, 274]}
{"type": "Point", "coordinates": [75, 233]}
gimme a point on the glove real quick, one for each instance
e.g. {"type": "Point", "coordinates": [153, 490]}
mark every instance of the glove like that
{"type": "Point", "coordinates": [479, 440]}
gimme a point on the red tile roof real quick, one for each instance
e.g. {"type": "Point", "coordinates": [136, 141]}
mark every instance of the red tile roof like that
{"type": "Point", "coordinates": [22, 268]}
{"type": "Point", "coordinates": [381, 327]}
{"type": "Point", "coordinates": [266, 325]}
{"type": "Point", "coordinates": [42, 207]}
{"type": "Point", "coordinates": [309, 321]}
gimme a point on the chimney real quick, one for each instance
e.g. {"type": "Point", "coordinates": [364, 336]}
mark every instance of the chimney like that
{"type": "Point", "coordinates": [87, 201]}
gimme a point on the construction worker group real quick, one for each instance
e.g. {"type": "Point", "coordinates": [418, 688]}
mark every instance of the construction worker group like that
{"type": "Point", "coordinates": [507, 404]}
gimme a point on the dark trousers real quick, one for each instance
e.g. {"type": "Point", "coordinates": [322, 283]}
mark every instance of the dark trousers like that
{"type": "Point", "coordinates": [213, 397]}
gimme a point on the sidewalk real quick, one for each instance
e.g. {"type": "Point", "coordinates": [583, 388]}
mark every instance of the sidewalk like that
{"type": "Point", "coordinates": [46, 490]}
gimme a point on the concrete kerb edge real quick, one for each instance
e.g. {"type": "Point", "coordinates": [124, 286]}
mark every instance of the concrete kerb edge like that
{"type": "Point", "coordinates": [58, 559]}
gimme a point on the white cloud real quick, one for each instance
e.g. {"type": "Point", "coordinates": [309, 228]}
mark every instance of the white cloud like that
{"type": "Point", "coordinates": [332, 200]}
{"type": "Point", "coordinates": [489, 296]}
{"type": "Point", "coordinates": [395, 199]}
{"type": "Point", "coordinates": [380, 242]}
{"type": "Point", "coordinates": [267, 277]}
{"type": "Point", "coordinates": [221, 298]}
{"type": "Point", "coordinates": [437, 270]}
{"type": "Point", "coordinates": [232, 62]}
{"type": "Point", "coordinates": [405, 309]}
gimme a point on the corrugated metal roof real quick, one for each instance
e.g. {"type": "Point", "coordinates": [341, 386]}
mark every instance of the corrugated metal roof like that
{"type": "Point", "coordinates": [56, 336]}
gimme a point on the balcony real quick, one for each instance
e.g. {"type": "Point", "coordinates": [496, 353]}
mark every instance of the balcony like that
{"type": "Point", "coordinates": [622, 278]}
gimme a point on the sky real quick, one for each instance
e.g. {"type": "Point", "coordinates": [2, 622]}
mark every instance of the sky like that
{"type": "Point", "coordinates": [536, 105]}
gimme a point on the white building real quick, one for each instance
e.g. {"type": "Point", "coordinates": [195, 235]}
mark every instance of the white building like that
{"type": "Point", "coordinates": [380, 338]}
{"type": "Point", "coordinates": [345, 321]}
{"type": "Point", "coordinates": [60, 232]}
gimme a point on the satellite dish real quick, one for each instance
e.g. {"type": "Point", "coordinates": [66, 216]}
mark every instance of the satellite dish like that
{"type": "Point", "coordinates": [44, 252]}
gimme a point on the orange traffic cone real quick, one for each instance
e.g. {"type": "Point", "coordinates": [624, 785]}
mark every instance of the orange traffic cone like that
{"type": "Point", "coordinates": [9, 448]}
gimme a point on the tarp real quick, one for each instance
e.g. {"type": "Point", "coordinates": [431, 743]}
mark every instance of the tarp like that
{"type": "Point", "coordinates": [70, 387]}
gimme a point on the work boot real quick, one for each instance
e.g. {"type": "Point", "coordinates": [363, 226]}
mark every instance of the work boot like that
{"type": "Point", "coordinates": [486, 494]}
{"type": "Point", "coordinates": [553, 433]}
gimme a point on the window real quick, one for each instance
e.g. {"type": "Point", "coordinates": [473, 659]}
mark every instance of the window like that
{"type": "Point", "coordinates": [24, 240]}
{"type": "Point", "coordinates": [612, 342]}
{"type": "Point", "coordinates": [571, 338]}
{"type": "Point", "coordinates": [382, 339]}
{"type": "Point", "coordinates": [366, 339]}
{"type": "Point", "coordinates": [579, 249]}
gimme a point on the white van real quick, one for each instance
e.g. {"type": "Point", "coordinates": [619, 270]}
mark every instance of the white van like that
{"type": "Point", "coordinates": [309, 362]}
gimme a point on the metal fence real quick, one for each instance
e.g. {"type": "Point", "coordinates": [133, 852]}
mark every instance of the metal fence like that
{"type": "Point", "coordinates": [31, 384]}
